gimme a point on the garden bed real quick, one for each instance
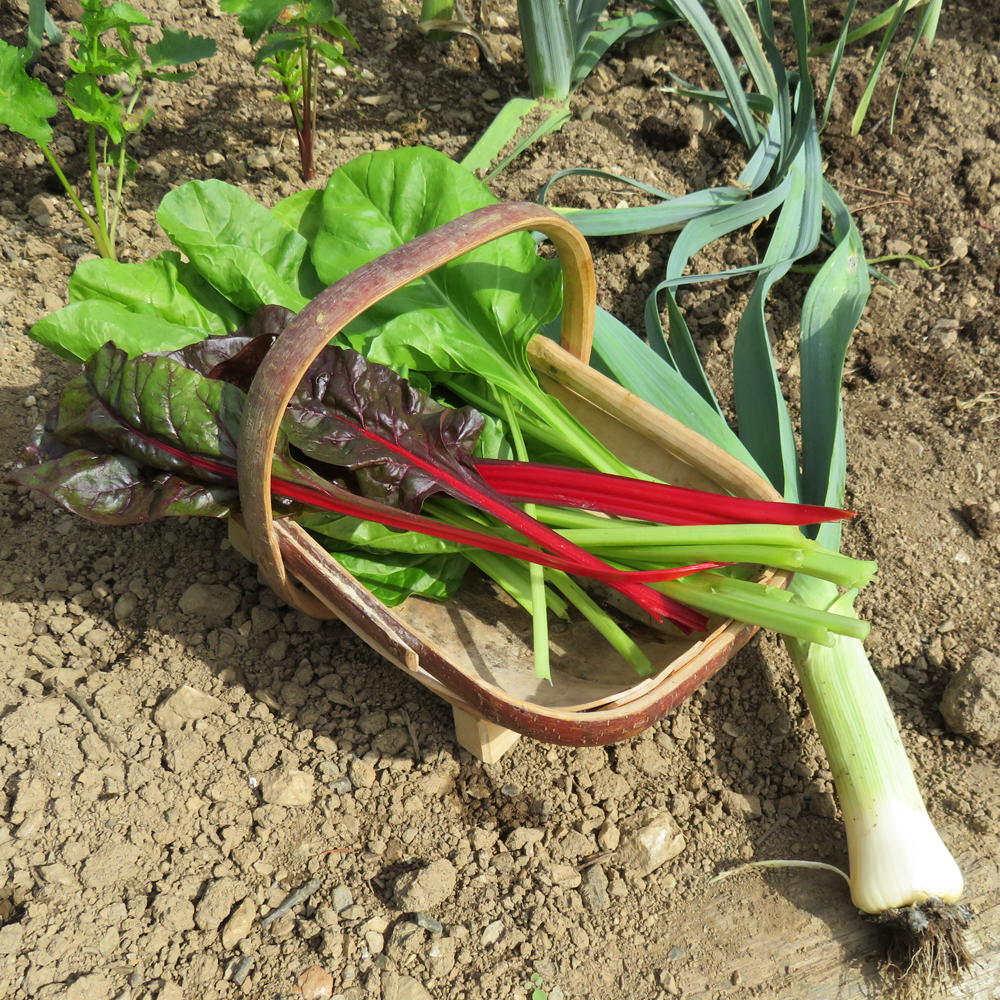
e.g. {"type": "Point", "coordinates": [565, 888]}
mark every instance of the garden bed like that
{"type": "Point", "coordinates": [129, 842]}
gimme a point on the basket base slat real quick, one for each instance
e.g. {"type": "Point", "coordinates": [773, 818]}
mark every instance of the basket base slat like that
{"type": "Point", "coordinates": [482, 738]}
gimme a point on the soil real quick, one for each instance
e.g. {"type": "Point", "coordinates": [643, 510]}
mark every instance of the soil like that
{"type": "Point", "coordinates": [137, 845]}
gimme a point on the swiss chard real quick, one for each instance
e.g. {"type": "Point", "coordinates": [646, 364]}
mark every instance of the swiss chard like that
{"type": "Point", "coordinates": [160, 414]}
{"type": "Point", "coordinates": [473, 316]}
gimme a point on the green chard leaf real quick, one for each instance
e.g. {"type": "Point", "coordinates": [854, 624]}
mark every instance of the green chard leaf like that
{"type": "Point", "coordinates": [25, 104]}
{"type": "Point", "coordinates": [237, 245]}
{"type": "Point", "coordinates": [177, 305]}
{"type": "Point", "coordinates": [473, 315]}
{"type": "Point", "coordinates": [394, 576]}
{"type": "Point", "coordinates": [78, 330]}
{"type": "Point", "coordinates": [393, 565]}
{"type": "Point", "coordinates": [165, 287]}
{"type": "Point", "coordinates": [303, 212]}
{"type": "Point", "coordinates": [343, 530]}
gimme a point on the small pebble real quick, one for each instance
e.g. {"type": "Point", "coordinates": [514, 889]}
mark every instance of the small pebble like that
{"type": "Point", "coordinates": [428, 923]}
{"type": "Point", "coordinates": [286, 786]}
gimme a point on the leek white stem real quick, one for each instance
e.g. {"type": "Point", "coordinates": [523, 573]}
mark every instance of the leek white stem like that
{"type": "Point", "coordinates": [897, 858]}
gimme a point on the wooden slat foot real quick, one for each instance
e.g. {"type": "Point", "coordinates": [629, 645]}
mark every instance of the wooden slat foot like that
{"type": "Point", "coordinates": [239, 539]}
{"type": "Point", "coordinates": [485, 740]}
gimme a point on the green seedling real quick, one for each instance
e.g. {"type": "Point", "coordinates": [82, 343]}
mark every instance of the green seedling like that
{"type": "Point", "coordinates": [26, 104]}
{"type": "Point", "coordinates": [297, 38]}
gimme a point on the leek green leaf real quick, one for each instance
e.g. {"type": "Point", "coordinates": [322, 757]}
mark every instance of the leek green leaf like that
{"type": "Point", "coordinates": [622, 356]}
{"type": "Point", "coordinates": [830, 314]}
{"type": "Point", "coordinates": [765, 426]}
{"type": "Point", "coordinates": [701, 23]}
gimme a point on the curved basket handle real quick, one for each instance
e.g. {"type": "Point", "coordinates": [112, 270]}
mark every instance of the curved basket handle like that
{"type": "Point", "coordinates": [295, 349]}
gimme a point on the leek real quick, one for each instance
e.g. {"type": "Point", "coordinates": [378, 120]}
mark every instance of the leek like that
{"type": "Point", "coordinates": [901, 873]}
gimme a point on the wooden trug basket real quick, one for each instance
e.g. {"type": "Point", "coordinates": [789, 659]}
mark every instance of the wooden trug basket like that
{"type": "Point", "coordinates": [474, 651]}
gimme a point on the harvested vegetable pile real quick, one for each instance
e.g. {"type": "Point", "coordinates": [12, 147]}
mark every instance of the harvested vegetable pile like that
{"type": "Point", "coordinates": [157, 434]}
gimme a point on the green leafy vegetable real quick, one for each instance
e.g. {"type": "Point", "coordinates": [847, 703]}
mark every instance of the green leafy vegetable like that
{"type": "Point", "coordinates": [25, 104]}
{"type": "Point", "coordinates": [473, 316]}
{"type": "Point", "coordinates": [461, 330]}
{"type": "Point", "coordinates": [234, 242]}
{"type": "Point", "coordinates": [78, 330]}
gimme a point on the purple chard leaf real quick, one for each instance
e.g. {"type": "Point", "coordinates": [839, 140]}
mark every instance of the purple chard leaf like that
{"type": "Point", "coordinates": [155, 399]}
{"type": "Point", "coordinates": [112, 489]}
{"type": "Point", "coordinates": [226, 357]}
{"type": "Point", "coordinates": [400, 445]}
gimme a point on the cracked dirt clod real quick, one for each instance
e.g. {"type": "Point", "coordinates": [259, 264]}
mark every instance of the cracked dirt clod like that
{"type": "Point", "coordinates": [427, 887]}
{"type": "Point", "coordinates": [971, 701]}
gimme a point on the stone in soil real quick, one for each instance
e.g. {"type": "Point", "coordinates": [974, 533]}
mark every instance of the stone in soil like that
{"type": "Point", "coordinates": [210, 600]}
{"type": "Point", "coordinates": [397, 987]}
{"type": "Point", "coordinates": [316, 984]}
{"type": "Point", "coordinates": [287, 786]}
{"type": "Point", "coordinates": [740, 805]}
{"type": "Point", "coordinates": [650, 839]}
{"type": "Point", "coordinates": [361, 773]}
{"type": "Point", "coordinates": [239, 924]}
{"type": "Point", "coordinates": [407, 939]}
{"type": "Point", "coordinates": [426, 888]}
{"type": "Point", "coordinates": [217, 902]}
{"type": "Point", "coordinates": [186, 704]}
{"type": "Point", "coordinates": [971, 701]}
{"type": "Point", "coordinates": [594, 890]}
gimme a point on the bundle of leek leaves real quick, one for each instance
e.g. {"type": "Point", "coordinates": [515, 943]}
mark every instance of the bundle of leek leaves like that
{"type": "Point", "coordinates": [901, 873]}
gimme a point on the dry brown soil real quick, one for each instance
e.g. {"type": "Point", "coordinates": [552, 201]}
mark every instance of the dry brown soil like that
{"type": "Point", "coordinates": [125, 844]}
